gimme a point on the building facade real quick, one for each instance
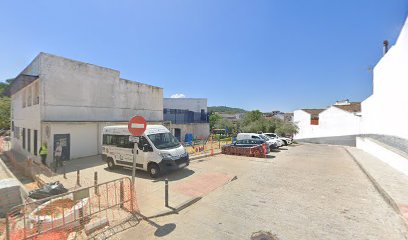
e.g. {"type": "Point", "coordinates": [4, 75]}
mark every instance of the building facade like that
{"type": "Point", "coordinates": [341, 119]}
{"type": "Point", "coordinates": [384, 112]}
{"type": "Point", "coordinates": [55, 99]}
{"type": "Point", "coordinates": [186, 116]}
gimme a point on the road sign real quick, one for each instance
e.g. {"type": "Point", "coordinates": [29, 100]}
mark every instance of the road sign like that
{"type": "Point", "coordinates": [137, 125]}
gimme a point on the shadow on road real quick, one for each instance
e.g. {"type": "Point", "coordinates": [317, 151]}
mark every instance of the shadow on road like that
{"type": "Point", "coordinates": [171, 176]}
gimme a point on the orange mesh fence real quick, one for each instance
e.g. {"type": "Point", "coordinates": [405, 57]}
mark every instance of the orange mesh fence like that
{"type": "Point", "coordinates": [84, 212]}
{"type": "Point", "coordinates": [203, 146]}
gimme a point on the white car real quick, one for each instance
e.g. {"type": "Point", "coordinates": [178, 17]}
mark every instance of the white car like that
{"type": "Point", "coordinates": [286, 141]}
{"type": "Point", "coordinates": [271, 142]}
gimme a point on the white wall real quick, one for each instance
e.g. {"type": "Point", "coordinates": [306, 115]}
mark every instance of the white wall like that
{"type": "Point", "coordinates": [191, 104]}
{"type": "Point", "coordinates": [77, 91]}
{"type": "Point", "coordinates": [26, 117]}
{"type": "Point", "coordinates": [83, 138]}
{"type": "Point", "coordinates": [302, 120]}
{"type": "Point", "coordinates": [332, 122]}
{"type": "Point", "coordinates": [337, 122]}
{"type": "Point", "coordinates": [385, 112]}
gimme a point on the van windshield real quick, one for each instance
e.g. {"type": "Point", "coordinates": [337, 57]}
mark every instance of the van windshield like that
{"type": "Point", "coordinates": [164, 140]}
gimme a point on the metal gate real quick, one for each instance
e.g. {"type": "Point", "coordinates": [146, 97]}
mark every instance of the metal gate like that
{"type": "Point", "coordinates": [85, 212]}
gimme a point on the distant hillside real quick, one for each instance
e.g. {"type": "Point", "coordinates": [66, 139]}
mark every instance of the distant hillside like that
{"type": "Point", "coordinates": [226, 109]}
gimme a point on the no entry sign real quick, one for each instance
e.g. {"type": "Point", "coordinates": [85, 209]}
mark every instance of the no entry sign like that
{"type": "Point", "coordinates": [137, 125]}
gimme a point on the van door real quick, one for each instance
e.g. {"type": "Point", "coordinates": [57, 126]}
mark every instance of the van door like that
{"type": "Point", "coordinates": [145, 152]}
{"type": "Point", "coordinates": [123, 151]}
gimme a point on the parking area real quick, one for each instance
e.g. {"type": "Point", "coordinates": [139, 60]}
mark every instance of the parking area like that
{"type": "Point", "coordinates": [197, 180]}
{"type": "Point", "coordinates": [305, 192]}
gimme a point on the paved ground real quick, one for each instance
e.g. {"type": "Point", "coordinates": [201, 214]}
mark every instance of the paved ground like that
{"type": "Point", "coordinates": [305, 192]}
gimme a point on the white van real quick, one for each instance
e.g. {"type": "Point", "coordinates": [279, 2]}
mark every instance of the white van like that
{"type": "Point", "coordinates": [157, 150]}
{"type": "Point", "coordinates": [271, 142]}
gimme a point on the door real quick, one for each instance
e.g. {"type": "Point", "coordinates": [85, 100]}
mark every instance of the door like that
{"type": "Point", "coordinates": [64, 141]}
{"type": "Point", "coordinates": [177, 133]}
{"type": "Point", "coordinates": [145, 151]}
{"type": "Point", "coordinates": [123, 150]}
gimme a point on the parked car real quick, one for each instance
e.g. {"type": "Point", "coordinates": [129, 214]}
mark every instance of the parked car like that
{"type": "Point", "coordinates": [252, 143]}
{"type": "Point", "coordinates": [271, 143]}
{"type": "Point", "coordinates": [248, 147]}
{"type": "Point", "coordinates": [285, 140]}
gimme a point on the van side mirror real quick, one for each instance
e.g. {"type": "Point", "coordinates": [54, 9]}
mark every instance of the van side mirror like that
{"type": "Point", "coordinates": [147, 148]}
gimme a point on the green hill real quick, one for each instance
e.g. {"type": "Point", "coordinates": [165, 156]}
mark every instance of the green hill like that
{"type": "Point", "coordinates": [225, 109]}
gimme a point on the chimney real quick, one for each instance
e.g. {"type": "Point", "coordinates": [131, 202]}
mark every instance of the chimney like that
{"type": "Point", "coordinates": [385, 46]}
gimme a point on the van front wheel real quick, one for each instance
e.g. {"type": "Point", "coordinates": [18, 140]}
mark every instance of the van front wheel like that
{"type": "Point", "coordinates": [153, 170]}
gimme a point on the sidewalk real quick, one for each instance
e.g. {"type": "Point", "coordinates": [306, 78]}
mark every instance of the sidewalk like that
{"type": "Point", "coordinates": [149, 192]}
{"type": "Point", "coordinates": [391, 183]}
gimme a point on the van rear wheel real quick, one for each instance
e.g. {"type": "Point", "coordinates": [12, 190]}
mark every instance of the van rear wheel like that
{"type": "Point", "coordinates": [154, 170]}
{"type": "Point", "coordinates": [111, 164]}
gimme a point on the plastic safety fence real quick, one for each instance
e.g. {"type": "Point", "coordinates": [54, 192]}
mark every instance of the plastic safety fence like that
{"type": "Point", "coordinates": [256, 151]}
{"type": "Point", "coordinates": [84, 212]}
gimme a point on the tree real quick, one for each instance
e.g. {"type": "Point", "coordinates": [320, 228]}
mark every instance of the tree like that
{"type": "Point", "coordinates": [214, 118]}
{"type": "Point", "coordinates": [4, 112]}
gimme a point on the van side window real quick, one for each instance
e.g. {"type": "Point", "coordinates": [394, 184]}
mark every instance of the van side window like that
{"type": "Point", "coordinates": [255, 137]}
{"type": "Point", "coordinates": [123, 142]}
{"type": "Point", "coordinates": [109, 140]}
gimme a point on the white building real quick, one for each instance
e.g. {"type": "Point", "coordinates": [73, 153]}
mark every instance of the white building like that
{"type": "Point", "coordinates": [187, 116]}
{"type": "Point", "coordinates": [58, 99]}
{"type": "Point", "coordinates": [385, 111]}
{"type": "Point", "coordinates": [307, 121]}
{"type": "Point", "coordinates": [341, 119]}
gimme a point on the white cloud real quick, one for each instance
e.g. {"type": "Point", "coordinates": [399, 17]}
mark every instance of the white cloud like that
{"type": "Point", "coordinates": [178, 95]}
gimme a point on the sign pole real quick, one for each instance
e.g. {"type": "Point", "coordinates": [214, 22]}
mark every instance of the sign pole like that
{"type": "Point", "coordinates": [134, 164]}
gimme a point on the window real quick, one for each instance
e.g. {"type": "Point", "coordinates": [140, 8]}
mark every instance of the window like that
{"type": "Point", "coordinates": [29, 140]}
{"type": "Point", "coordinates": [123, 142]}
{"type": "Point", "coordinates": [17, 132]}
{"type": "Point", "coordinates": [142, 142]}
{"type": "Point", "coordinates": [35, 142]}
{"type": "Point", "coordinates": [255, 137]}
{"type": "Point", "coordinates": [24, 139]}
{"type": "Point", "coordinates": [314, 120]}
{"type": "Point", "coordinates": [36, 93]}
{"type": "Point", "coordinates": [23, 98]}
{"type": "Point", "coordinates": [117, 140]}
{"type": "Point", "coordinates": [165, 110]}
{"type": "Point", "coordinates": [29, 96]}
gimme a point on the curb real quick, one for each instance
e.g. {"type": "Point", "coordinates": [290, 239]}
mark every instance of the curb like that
{"type": "Point", "coordinates": [387, 198]}
{"type": "Point", "coordinates": [177, 209]}
{"type": "Point", "coordinates": [193, 158]}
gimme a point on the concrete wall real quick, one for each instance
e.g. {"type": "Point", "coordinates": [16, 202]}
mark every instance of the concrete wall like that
{"type": "Point", "coordinates": [76, 91]}
{"type": "Point", "coordinates": [385, 111]}
{"type": "Point", "coordinates": [199, 130]}
{"type": "Point", "coordinates": [349, 140]}
{"type": "Point", "coordinates": [332, 122]}
{"type": "Point", "coordinates": [192, 104]}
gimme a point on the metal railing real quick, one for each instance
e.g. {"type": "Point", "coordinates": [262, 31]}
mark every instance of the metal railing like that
{"type": "Point", "coordinates": [87, 209]}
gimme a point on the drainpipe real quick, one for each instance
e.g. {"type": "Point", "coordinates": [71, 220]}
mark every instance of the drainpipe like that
{"type": "Point", "coordinates": [385, 49]}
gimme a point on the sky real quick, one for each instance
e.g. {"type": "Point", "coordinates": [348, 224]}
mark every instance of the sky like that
{"type": "Point", "coordinates": [261, 54]}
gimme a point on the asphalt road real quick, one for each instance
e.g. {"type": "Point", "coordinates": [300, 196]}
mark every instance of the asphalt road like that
{"type": "Point", "coordinates": [304, 192]}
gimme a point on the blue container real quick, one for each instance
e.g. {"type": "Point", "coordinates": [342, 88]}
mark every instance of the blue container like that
{"type": "Point", "coordinates": [188, 138]}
